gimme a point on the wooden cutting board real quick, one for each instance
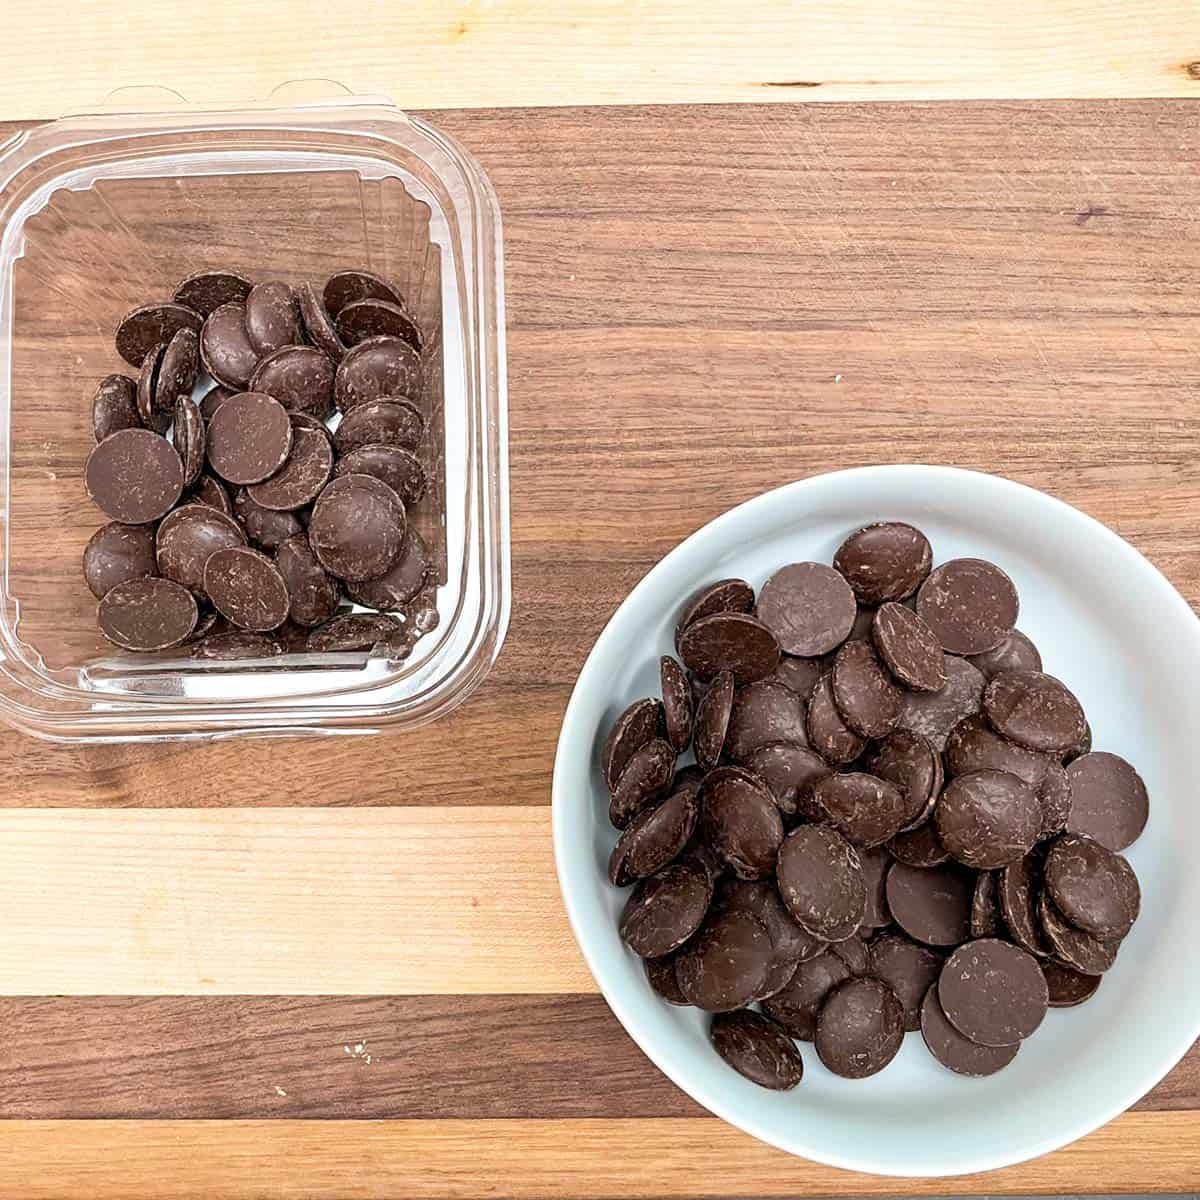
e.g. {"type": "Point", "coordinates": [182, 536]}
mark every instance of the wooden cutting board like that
{"type": "Point", "coordinates": [345, 962]}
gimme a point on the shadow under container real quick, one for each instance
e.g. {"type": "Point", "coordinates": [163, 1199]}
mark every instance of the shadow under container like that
{"type": "Point", "coordinates": [100, 214]}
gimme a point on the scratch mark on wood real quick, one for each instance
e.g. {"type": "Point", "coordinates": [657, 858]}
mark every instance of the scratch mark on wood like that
{"type": "Point", "coordinates": [1092, 210]}
{"type": "Point", "coordinates": [790, 83]}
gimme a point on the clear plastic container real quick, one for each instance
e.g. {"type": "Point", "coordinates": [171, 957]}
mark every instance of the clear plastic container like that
{"type": "Point", "coordinates": [101, 213]}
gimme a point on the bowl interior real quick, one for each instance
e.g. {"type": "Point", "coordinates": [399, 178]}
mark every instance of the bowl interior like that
{"type": "Point", "coordinates": [1105, 621]}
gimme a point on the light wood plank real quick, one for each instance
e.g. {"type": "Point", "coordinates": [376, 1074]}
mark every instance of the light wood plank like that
{"type": "Point", "coordinates": [300, 901]}
{"type": "Point", "coordinates": [526, 1160]}
{"type": "Point", "coordinates": [334, 1057]}
{"type": "Point", "coordinates": [518, 52]}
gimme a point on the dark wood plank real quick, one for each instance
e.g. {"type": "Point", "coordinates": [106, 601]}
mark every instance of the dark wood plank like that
{"type": "Point", "coordinates": [242, 1057]}
{"type": "Point", "coordinates": [707, 302]}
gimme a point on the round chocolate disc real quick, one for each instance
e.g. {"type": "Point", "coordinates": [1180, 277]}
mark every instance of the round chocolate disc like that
{"type": "Point", "coordinates": [116, 553]}
{"type": "Point", "coordinates": [190, 439]}
{"type": "Point", "coordinates": [1054, 795]}
{"type": "Point", "coordinates": [237, 646]}
{"type": "Point", "coordinates": [1034, 710]}
{"type": "Point", "coordinates": [918, 847]}
{"type": "Point", "coordinates": [757, 1049]}
{"type": "Point", "coordinates": [1017, 889]}
{"type": "Point", "coordinates": [875, 864]}
{"type": "Point", "coordinates": [1075, 947]}
{"type": "Point", "coordinates": [265, 527]}
{"type": "Point", "coordinates": [225, 349]}
{"type": "Point", "coordinates": [853, 952]}
{"type": "Point", "coordinates": [792, 944]}
{"type": "Point", "coordinates": [1109, 801]}
{"type": "Point", "coordinates": [799, 674]}
{"type": "Point", "coordinates": [177, 370]}
{"type": "Point", "coordinates": [863, 691]}
{"type": "Point", "coordinates": [638, 724]}
{"type": "Point", "coordinates": [249, 438]}
{"type": "Point", "coordinates": [152, 325]}
{"type": "Point", "coordinates": [362, 319]}
{"type": "Point", "coordinates": [654, 838]}
{"type": "Point", "coordinates": [246, 588]}
{"type": "Point", "coordinates": [726, 595]}
{"type": "Point", "coordinates": [828, 733]}
{"type": "Point", "coordinates": [678, 711]}
{"type": "Point", "coordinates": [993, 992]}
{"type": "Point", "coordinates": [741, 821]}
{"type": "Point", "coordinates": [971, 605]}
{"type": "Point", "coordinates": [797, 1005]}
{"type": "Point", "coordinates": [763, 712]}
{"type": "Point", "coordinates": [908, 648]}
{"type": "Point", "coordinates": [357, 527]}
{"type": "Point", "coordinates": [114, 406]}
{"type": "Point", "coordinates": [390, 421]}
{"type": "Point", "coordinates": [400, 469]}
{"type": "Point", "coordinates": [663, 911]}
{"type": "Point", "coordinates": [727, 962]}
{"type": "Point", "coordinates": [352, 632]}
{"type": "Point", "coordinates": [272, 318]}
{"type": "Point", "coordinates": [860, 1028]}
{"type": "Point", "coordinates": [808, 607]}
{"type": "Point", "coordinates": [935, 714]}
{"type": "Point", "coordinates": [299, 377]}
{"type": "Point", "coordinates": [647, 774]}
{"type": "Point", "coordinates": [973, 745]}
{"type": "Point", "coordinates": [134, 475]}
{"type": "Point", "coordinates": [932, 905]}
{"type": "Point", "coordinates": [821, 881]}
{"type": "Point", "coordinates": [988, 819]}
{"type": "Point", "coordinates": [866, 811]}
{"type": "Point", "coordinates": [213, 399]}
{"type": "Point", "coordinates": [1015, 653]}
{"type": "Point", "coordinates": [884, 562]}
{"type": "Point", "coordinates": [302, 477]}
{"type": "Point", "coordinates": [211, 491]}
{"type": "Point", "coordinates": [985, 907]}
{"type": "Point", "coordinates": [790, 773]}
{"type": "Point", "coordinates": [147, 386]}
{"type": "Point", "coordinates": [378, 367]}
{"type": "Point", "coordinates": [660, 973]}
{"type": "Point", "coordinates": [345, 287]}
{"type": "Point", "coordinates": [735, 642]}
{"type": "Point", "coordinates": [208, 290]}
{"type": "Point", "coordinates": [1095, 889]}
{"type": "Point", "coordinates": [712, 720]}
{"type": "Point", "coordinates": [147, 614]}
{"type": "Point", "coordinates": [955, 1052]}
{"type": "Point", "coordinates": [910, 968]}
{"type": "Point", "coordinates": [401, 583]}
{"type": "Point", "coordinates": [187, 537]}
{"type": "Point", "coordinates": [313, 594]}
{"type": "Point", "coordinates": [1067, 986]}
{"type": "Point", "coordinates": [318, 324]}
{"type": "Point", "coordinates": [907, 760]}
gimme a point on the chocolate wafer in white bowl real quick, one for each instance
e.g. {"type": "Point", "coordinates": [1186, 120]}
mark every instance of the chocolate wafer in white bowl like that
{"type": "Point", "coordinates": [1108, 624]}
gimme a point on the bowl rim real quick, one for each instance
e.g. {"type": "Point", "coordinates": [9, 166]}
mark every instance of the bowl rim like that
{"type": "Point", "coordinates": [963, 1162]}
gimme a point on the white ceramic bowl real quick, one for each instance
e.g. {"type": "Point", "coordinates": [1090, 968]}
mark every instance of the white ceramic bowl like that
{"type": "Point", "coordinates": [1115, 630]}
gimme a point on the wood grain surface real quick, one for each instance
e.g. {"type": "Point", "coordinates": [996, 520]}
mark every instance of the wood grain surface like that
{"type": "Point", "coordinates": [68, 57]}
{"type": "Point", "coordinates": [532, 1160]}
{"type": "Point", "coordinates": [702, 303]}
{"type": "Point", "coordinates": [333, 1057]}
